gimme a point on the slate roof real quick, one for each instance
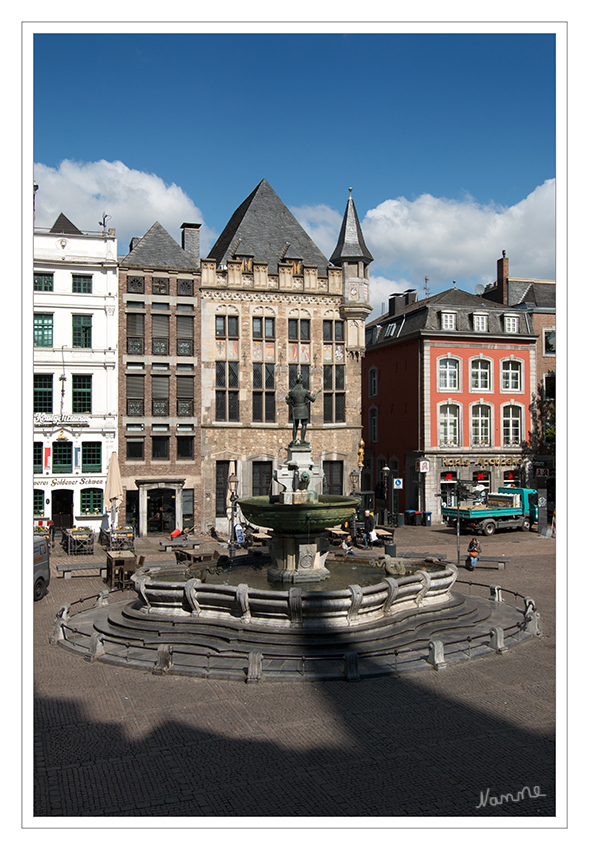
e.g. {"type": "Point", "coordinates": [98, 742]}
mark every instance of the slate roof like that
{"type": "Point", "coordinates": [540, 295]}
{"type": "Point", "coordinates": [158, 250]}
{"type": "Point", "coordinates": [262, 227]}
{"type": "Point", "coordinates": [424, 317]}
{"type": "Point", "coordinates": [350, 244]}
{"type": "Point", "coordinates": [64, 225]}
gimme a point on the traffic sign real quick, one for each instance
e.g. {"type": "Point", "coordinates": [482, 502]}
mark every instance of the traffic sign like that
{"type": "Point", "coordinates": [397, 483]}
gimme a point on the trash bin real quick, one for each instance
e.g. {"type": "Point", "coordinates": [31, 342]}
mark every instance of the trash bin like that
{"type": "Point", "coordinates": [391, 549]}
{"type": "Point", "coordinates": [410, 517]}
{"type": "Point", "coordinates": [427, 518]}
{"type": "Point", "coordinates": [417, 518]}
{"type": "Point", "coordinates": [400, 520]}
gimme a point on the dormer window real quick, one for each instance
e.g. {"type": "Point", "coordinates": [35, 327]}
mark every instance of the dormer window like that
{"type": "Point", "coordinates": [511, 324]}
{"type": "Point", "coordinates": [448, 321]}
{"type": "Point", "coordinates": [480, 322]}
{"type": "Point", "coordinates": [247, 264]}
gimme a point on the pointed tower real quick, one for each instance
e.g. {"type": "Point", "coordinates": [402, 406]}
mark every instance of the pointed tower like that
{"type": "Point", "coordinates": [353, 257]}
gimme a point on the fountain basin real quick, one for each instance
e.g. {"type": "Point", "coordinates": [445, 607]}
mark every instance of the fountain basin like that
{"type": "Point", "coordinates": [312, 609]}
{"type": "Point", "coordinates": [311, 517]}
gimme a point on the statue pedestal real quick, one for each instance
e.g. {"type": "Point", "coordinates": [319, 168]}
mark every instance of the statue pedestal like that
{"type": "Point", "coordinates": [298, 558]}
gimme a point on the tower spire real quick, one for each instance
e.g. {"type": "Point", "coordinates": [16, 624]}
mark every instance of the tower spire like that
{"type": "Point", "coordinates": [351, 246]}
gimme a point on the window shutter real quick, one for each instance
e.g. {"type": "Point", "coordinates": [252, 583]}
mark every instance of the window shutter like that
{"type": "Point", "coordinates": [185, 327]}
{"type": "Point", "coordinates": [135, 386]}
{"type": "Point", "coordinates": [185, 386]}
{"type": "Point", "coordinates": [160, 386]}
{"type": "Point", "coordinates": [160, 326]}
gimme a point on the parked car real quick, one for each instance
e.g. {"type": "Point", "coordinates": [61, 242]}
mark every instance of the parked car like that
{"type": "Point", "coordinates": [41, 574]}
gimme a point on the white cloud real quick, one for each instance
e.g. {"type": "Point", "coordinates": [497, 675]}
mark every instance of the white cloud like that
{"type": "Point", "coordinates": [134, 200]}
{"type": "Point", "coordinates": [321, 223]}
{"type": "Point", "coordinates": [446, 240]}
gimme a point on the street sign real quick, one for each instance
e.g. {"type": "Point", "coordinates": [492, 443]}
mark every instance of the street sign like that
{"type": "Point", "coordinates": [397, 483]}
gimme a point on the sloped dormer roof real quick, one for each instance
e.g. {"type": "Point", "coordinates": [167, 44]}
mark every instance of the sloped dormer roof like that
{"type": "Point", "coordinates": [263, 228]}
{"type": "Point", "coordinates": [158, 250]}
{"type": "Point", "coordinates": [351, 245]}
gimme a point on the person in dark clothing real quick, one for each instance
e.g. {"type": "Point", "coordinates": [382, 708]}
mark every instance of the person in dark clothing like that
{"type": "Point", "coordinates": [368, 529]}
{"type": "Point", "coordinates": [474, 550]}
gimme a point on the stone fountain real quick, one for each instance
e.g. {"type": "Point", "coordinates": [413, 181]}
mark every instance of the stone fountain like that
{"type": "Point", "coordinates": [193, 622]}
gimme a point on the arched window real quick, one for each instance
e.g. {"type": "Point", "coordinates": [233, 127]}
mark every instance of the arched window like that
{"type": "Point", "coordinates": [480, 374]}
{"type": "Point", "coordinates": [512, 425]}
{"type": "Point", "coordinates": [448, 373]}
{"type": "Point", "coordinates": [512, 376]}
{"type": "Point", "coordinates": [480, 425]}
{"type": "Point", "coordinates": [449, 425]}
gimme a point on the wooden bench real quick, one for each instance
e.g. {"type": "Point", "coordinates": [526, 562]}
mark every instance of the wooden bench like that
{"type": "Point", "coordinates": [67, 569]}
{"type": "Point", "coordinates": [172, 545]}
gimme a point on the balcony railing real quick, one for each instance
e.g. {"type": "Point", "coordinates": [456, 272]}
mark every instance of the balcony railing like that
{"type": "Point", "coordinates": [160, 407]}
{"type": "Point", "coordinates": [135, 345]}
{"type": "Point", "coordinates": [160, 346]}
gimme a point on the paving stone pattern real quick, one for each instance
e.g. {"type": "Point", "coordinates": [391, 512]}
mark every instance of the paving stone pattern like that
{"type": "Point", "coordinates": [112, 742]}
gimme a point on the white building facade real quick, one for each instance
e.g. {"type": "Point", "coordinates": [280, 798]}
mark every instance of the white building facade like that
{"type": "Point", "coordinates": [75, 382]}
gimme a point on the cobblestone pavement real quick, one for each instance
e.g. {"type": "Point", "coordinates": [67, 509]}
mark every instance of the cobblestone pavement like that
{"type": "Point", "coordinates": [111, 742]}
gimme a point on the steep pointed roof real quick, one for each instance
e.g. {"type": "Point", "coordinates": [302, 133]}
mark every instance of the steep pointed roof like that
{"type": "Point", "coordinates": [262, 227]}
{"type": "Point", "coordinates": [351, 245]}
{"type": "Point", "coordinates": [64, 225]}
{"type": "Point", "coordinates": [158, 250]}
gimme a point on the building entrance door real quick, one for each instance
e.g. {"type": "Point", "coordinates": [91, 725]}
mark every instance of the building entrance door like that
{"type": "Point", "coordinates": [161, 511]}
{"type": "Point", "coordinates": [62, 508]}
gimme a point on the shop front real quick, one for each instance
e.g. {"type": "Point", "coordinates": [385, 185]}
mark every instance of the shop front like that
{"type": "Point", "coordinates": [491, 470]}
{"type": "Point", "coordinates": [159, 505]}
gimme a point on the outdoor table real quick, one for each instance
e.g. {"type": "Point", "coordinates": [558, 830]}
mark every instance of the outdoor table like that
{"type": "Point", "coordinates": [260, 537]}
{"type": "Point", "coordinates": [120, 566]}
{"type": "Point", "coordinates": [121, 538]}
{"type": "Point", "coordinates": [77, 541]}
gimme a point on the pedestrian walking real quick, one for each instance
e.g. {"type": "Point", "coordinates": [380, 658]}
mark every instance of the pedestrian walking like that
{"type": "Point", "coordinates": [474, 550]}
{"type": "Point", "coordinates": [368, 530]}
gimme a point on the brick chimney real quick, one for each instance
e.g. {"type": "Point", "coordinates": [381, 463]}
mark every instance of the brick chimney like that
{"type": "Point", "coordinates": [502, 277]}
{"type": "Point", "coordinates": [191, 240]}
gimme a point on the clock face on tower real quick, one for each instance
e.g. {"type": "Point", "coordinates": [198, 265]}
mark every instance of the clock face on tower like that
{"type": "Point", "coordinates": [353, 291]}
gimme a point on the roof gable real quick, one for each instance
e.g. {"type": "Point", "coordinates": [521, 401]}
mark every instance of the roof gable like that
{"type": "Point", "coordinates": [264, 228]}
{"type": "Point", "coordinates": [64, 225]}
{"type": "Point", "coordinates": [158, 250]}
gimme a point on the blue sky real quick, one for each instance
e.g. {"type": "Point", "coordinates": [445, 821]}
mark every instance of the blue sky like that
{"type": "Point", "coordinates": [447, 140]}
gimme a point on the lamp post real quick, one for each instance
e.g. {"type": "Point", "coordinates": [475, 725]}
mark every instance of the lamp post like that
{"type": "Point", "coordinates": [386, 472]}
{"type": "Point", "coordinates": [354, 478]}
{"type": "Point", "coordinates": [233, 482]}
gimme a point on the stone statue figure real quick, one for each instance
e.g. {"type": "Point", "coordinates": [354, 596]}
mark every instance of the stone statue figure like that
{"type": "Point", "coordinates": [299, 399]}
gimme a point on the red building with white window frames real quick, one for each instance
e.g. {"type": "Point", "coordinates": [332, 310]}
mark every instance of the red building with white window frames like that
{"type": "Point", "coordinates": [449, 379]}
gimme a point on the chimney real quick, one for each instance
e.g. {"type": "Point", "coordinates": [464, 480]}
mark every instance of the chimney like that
{"type": "Point", "coordinates": [191, 240]}
{"type": "Point", "coordinates": [502, 278]}
{"type": "Point", "coordinates": [393, 302]}
{"type": "Point", "coordinates": [410, 297]}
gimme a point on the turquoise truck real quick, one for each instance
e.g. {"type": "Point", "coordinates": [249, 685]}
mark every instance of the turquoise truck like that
{"type": "Point", "coordinates": [510, 507]}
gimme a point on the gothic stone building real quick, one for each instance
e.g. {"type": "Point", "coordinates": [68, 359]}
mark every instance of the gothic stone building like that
{"type": "Point", "coordinates": [159, 387]}
{"type": "Point", "coordinates": [210, 348]}
{"type": "Point", "coordinates": [274, 306]}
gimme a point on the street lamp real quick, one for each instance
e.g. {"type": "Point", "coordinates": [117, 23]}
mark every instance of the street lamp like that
{"type": "Point", "coordinates": [233, 482]}
{"type": "Point", "coordinates": [386, 472]}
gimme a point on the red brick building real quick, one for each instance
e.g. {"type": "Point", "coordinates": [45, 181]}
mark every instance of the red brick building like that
{"type": "Point", "coordinates": [159, 380]}
{"type": "Point", "coordinates": [449, 380]}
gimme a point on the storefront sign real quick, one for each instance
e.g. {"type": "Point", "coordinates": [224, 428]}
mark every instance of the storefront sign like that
{"type": "Point", "coordinates": [55, 420]}
{"type": "Point", "coordinates": [65, 482]}
{"type": "Point", "coordinates": [501, 460]}
{"type": "Point", "coordinates": [422, 465]}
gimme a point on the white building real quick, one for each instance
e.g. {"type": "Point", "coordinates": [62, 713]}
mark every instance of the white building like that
{"type": "Point", "coordinates": [75, 384]}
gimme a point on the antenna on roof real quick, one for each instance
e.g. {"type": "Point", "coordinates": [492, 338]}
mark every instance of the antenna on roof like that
{"type": "Point", "coordinates": [453, 284]}
{"type": "Point", "coordinates": [103, 222]}
{"type": "Point", "coordinates": [426, 287]}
